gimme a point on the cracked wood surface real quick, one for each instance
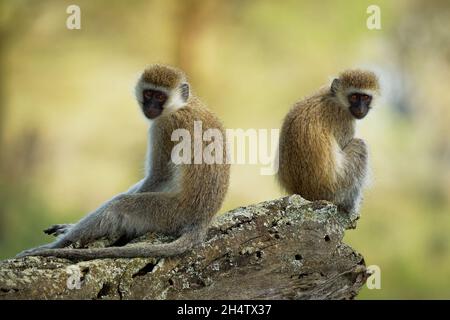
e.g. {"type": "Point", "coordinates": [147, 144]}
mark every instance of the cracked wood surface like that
{"type": "Point", "coordinates": [287, 248]}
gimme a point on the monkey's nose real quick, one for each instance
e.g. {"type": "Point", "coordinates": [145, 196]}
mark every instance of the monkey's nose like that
{"type": "Point", "coordinates": [359, 112]}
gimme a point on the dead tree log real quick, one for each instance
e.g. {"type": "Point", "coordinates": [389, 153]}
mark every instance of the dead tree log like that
{"type": "Point", "coordinates": [287, 248]}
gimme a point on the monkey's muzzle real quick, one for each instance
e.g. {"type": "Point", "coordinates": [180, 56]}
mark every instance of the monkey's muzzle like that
{"type": "Point", "coordinates": [359, 111]}
{"type": "Point", "coordinates": [152, 110]}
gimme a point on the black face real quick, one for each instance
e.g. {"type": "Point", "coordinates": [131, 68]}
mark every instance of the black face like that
{"type": "Point", "coordinates": [359, 104]}
{"type": "Point", "coordinates": [154, 101]}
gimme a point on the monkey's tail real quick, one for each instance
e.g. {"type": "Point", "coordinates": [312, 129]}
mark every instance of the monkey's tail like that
{"type": "Point", "coordinates": [184, 243]}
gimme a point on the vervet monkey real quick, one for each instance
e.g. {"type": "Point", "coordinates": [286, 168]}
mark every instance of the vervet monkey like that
{"type": "Point", "coordinates": [320, 158]}
{"type": "Point", "coordinates": [173, 199]}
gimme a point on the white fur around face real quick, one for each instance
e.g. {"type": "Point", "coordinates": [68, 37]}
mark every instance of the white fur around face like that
{"type": "Point", "coordinates": [174, 101]}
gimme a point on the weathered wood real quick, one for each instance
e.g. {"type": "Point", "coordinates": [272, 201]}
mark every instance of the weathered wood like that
{"type": "Point", "coordinates": [288, 248]}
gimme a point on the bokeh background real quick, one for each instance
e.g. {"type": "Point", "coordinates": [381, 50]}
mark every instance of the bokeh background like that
{"type": "Point", "coordinates": [71, 134]}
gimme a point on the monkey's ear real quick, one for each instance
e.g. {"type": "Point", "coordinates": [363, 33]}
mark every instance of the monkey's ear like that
{"type": "Point", "coordinates": [184, 90]}
{"type": "Point", "coordinates": [335, 86]}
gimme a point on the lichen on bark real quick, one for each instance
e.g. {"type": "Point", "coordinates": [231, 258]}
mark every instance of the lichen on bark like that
{"type": "Point", "coordinates": [288, 248]}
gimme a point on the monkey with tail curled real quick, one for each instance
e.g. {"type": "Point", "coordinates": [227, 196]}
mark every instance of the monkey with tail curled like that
{"type": "Point", "coordinates": [320, 158]}
{"type": "Point", "coordinates": [174, 198]}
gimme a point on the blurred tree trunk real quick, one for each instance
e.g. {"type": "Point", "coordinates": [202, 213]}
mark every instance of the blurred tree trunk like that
{"type": "Point", "coordinates": [193, 16]}
{"type": "Point", "coordinates": [17, 20]}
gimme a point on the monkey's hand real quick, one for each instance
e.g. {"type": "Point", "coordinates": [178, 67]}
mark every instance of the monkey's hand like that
{"type": "Point", "coordinates": [58, 229]}
{"type": "Point", "coordinates": [357, 148]}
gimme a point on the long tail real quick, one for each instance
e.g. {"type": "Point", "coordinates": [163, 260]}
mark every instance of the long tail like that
{"type": "Point", "coordinates": [184, 243]}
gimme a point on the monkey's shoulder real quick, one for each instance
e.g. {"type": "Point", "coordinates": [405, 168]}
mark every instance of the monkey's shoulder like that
{"type": "Point", "coordinates": [307, 112]}
{"type": "Point", "coordinates": [195, 113]}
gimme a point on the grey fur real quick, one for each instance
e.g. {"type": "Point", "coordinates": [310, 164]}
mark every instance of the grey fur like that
{"type": "Point", "coordinates": [172, 199]}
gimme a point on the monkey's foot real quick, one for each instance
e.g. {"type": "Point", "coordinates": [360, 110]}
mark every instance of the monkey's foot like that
{"type": "Point", "coordinates": [32, 252]}
{"type": "Point", "coordinates": [58, 229]}
{"type": "Point", "coordinates": [352, 215]}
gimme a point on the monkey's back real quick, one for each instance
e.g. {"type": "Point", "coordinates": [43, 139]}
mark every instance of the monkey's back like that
{"type": "Point", "coordinates": [203, 185]}
{"type": "Point", "coordinates": [306, 155]}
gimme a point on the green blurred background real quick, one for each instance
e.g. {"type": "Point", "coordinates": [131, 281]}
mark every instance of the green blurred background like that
{"type": "Point", "coordinates": [71, 134]}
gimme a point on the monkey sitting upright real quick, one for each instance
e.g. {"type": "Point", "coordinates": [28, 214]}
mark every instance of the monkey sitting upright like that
{"type": "Point", "coordinates": [175, 199]}
{"type": "Point", "coordinates": [320, 159]}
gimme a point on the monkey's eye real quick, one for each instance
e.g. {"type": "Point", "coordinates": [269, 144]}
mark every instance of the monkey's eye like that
{"type": "Point", "coordinates": [354, 98]}
{"type": "Point", "coordinates": [147, 94]}
{"type": "Point", "coordinates": [161, 97]}
{"type": "Point", "coordinates": [365, 97]}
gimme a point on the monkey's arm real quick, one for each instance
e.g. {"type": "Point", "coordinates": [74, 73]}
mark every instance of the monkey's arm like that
{"type": "Point", "coordinates": [352, 178]}
{"type": "Point", "coordinates": [355, 160]}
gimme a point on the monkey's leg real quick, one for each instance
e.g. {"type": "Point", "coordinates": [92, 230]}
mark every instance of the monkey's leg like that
{"type": "Point", "coordinates": [351, 201]}
{"type": "Point", "coordinates": [59, 229]}
{"type": "Point", "coordinates": [134, 214]}
{"type": "Point", "coordinates": [191, 237]}
{"type": "Point", "coordinates": [125, 216]}
{"type": "Point", "coordinates": [77, 230]}
{"type": "Point", "coordinates": [62, 230]}
{"type": "Point", "coordinates": [136, 187]}
{"type": "Point", "coordinates": [354, 175]}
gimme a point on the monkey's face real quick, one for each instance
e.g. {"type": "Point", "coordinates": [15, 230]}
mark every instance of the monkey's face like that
{"type": "Point", "coordinates": [153, 102]}
{"type": "Point", "coordinates": [359, 104]}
